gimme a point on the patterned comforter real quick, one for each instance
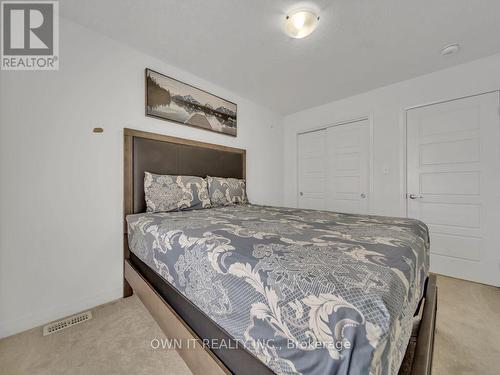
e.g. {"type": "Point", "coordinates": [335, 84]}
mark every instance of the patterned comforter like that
{"type": "Point", "coordinates": [309, 292]}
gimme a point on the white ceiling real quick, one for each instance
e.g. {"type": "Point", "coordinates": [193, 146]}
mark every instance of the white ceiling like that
{"type": "Point", "coordinates": [238, 44]}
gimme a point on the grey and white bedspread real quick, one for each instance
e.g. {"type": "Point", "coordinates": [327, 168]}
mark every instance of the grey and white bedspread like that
{"type": "Point", "coordinates": [305, 291]}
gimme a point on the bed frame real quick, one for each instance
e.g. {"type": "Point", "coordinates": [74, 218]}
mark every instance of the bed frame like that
{"type": "Point", "coordinates": [169, 155]}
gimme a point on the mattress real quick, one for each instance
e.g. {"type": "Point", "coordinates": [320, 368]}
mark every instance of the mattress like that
{"type": "Point", "coordinates": [302, 291]}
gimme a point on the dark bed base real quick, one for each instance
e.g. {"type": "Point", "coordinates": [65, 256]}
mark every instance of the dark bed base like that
{"type": "Point", "coordinates": [423, 342]}
{"type": "Point", "coordinates": [417, 361]}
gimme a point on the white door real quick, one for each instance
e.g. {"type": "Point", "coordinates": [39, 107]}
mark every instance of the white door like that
{"type": "Point", "coordinates": [453, 184]}
{"type": "Point", "coordinates": [348, 167]}
{"type": "Point", "coordinates": [311, 169]}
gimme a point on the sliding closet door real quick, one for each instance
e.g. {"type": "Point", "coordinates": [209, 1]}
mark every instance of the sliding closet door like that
{"type": "Point", "coordinates": [311, 170]}
{"type": "Point", "coordinates": [348, 167]}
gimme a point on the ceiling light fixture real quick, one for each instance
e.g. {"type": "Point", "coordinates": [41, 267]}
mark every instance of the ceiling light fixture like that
{"type": "Point", "coordinates": [300, 23]}
{"type": "Point", "coordinates": [450, 49]}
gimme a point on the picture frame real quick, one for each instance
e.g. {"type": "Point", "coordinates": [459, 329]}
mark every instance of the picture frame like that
{"type": "Point", "coordinates": [172, 100]}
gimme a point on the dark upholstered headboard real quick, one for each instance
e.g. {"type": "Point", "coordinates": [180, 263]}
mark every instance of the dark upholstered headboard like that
{"type": "Point", "coordinates": [161, 154]}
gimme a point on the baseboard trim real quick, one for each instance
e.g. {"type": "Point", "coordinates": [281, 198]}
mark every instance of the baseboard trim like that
{"type": "Point", "coordinates": [36, 319]}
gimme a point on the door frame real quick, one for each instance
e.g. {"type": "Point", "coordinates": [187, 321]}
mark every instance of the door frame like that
{"type": "Point", "coordinates": [350, 120]}
{"type": "Point", "coordinates": [404, 141]}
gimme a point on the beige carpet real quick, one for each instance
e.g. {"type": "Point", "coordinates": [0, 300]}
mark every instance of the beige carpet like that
{"type": "Point", "coordinates": [117, 340]}
{"type": "Point", "coordinates": [468, 328]}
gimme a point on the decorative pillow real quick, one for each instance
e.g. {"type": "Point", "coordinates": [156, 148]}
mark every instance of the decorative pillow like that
{"type": "Point", "coordinates": [226, 191]}
{"type": "Point", "coordinates": [172, 193]}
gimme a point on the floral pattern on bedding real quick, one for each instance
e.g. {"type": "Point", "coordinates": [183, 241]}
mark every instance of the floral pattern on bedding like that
{"type": "Point", "coordinates": [306, 292]}
{"type": "Point", "coordinates": [165, 193]}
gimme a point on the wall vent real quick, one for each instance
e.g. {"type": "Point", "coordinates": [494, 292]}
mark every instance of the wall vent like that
{"type": "Point", "coordinates": [65, 323]}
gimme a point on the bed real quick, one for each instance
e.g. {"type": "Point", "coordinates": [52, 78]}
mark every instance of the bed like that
{"type": "Point", "coordinates": [253, 289]}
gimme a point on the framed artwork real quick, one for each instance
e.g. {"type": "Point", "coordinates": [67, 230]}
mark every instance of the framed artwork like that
{"type": "Point", "coordinates": [173, 100]}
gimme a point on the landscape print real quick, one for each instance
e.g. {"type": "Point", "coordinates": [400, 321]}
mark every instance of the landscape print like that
{"type": "Point", "coordinates": [172, 100]}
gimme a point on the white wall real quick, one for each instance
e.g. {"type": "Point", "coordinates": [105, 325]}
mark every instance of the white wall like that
{"type": "Point", "coordinates": [61, 186]}
{"type": "Point", "coordinates": [386, 107]}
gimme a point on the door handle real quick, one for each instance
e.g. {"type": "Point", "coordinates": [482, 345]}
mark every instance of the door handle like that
{"type": "Point", "coordinates": [413, 196]}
